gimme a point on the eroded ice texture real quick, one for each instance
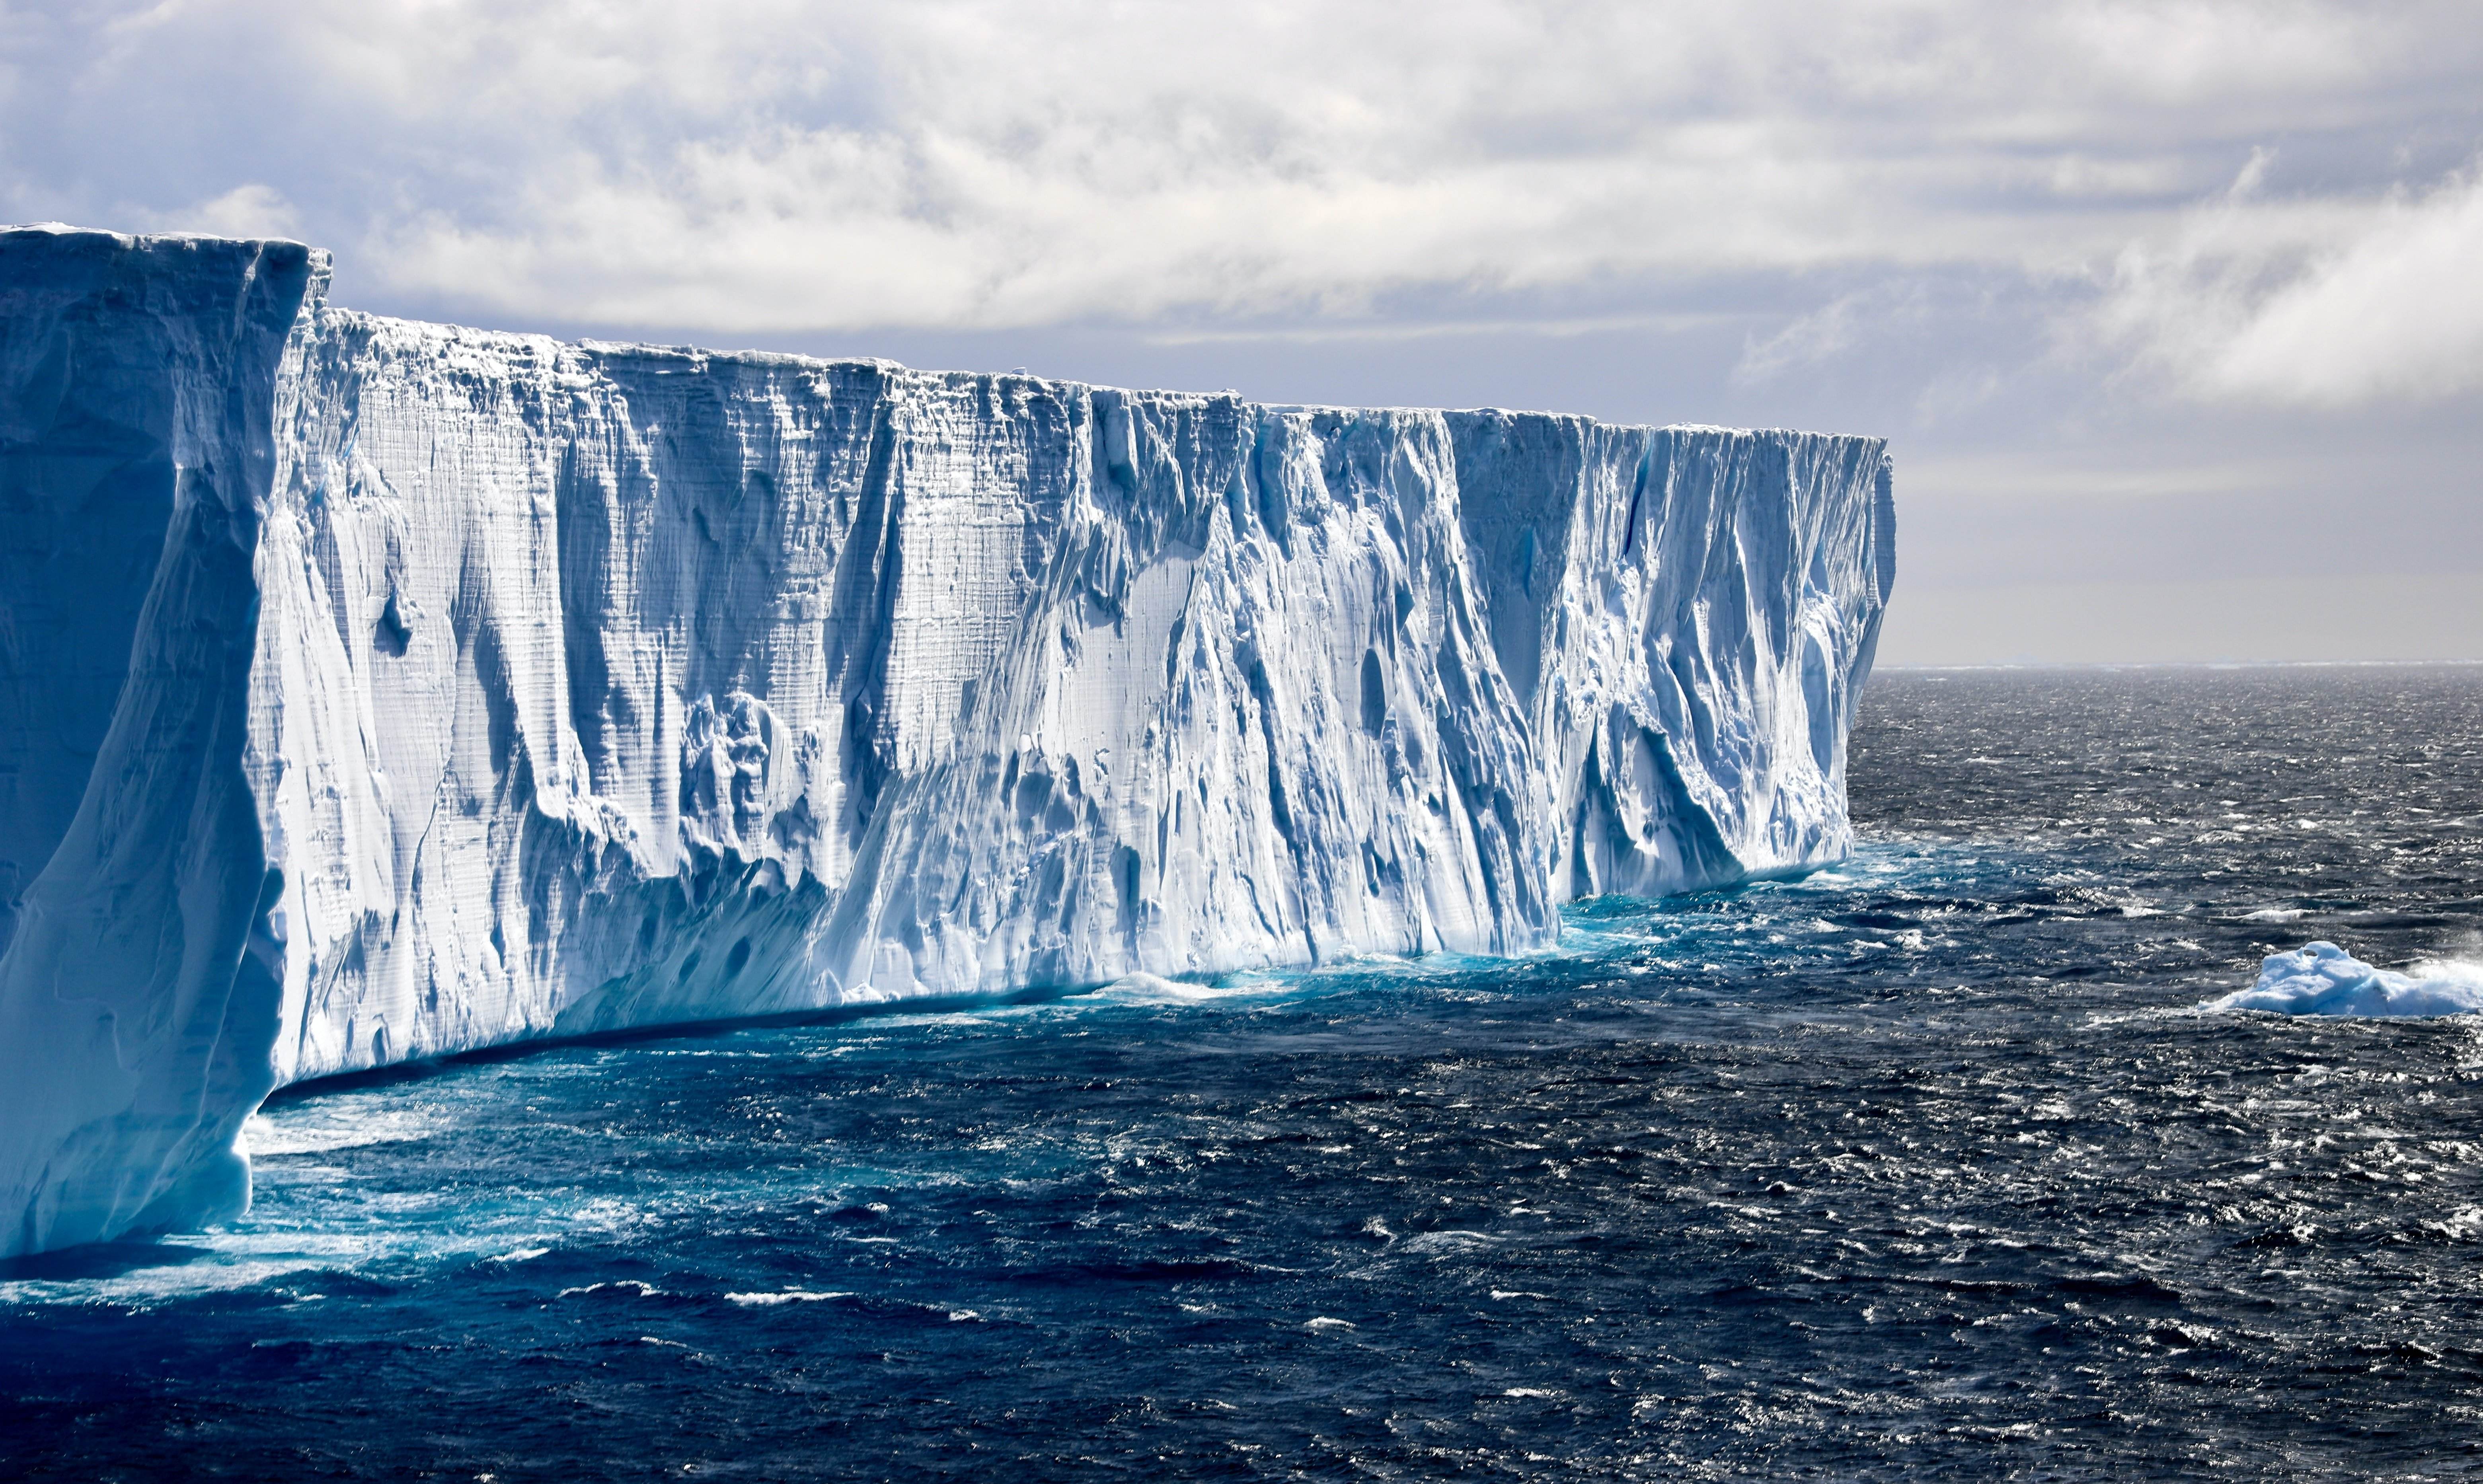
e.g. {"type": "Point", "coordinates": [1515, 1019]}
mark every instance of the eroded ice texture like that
{"type": "Point", "coordinates": [384, 690]}
{"type": "Point", "coordinates": [2323, 979]}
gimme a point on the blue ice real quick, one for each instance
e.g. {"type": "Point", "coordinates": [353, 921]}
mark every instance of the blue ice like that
{"type": "Point", "coordinates": [2321, 978]}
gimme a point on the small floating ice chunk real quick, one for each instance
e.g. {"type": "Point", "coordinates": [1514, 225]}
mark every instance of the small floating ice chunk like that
{"type": "Point", "coordinates": [2323, 979]}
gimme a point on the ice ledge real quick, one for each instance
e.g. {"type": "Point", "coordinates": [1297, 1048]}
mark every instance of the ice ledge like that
{"type": "Point", "coordinates": [390, 689]}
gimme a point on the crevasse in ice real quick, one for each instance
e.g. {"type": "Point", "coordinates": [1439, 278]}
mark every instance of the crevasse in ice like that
{"type": "Point", "coordinates": [378, 690]}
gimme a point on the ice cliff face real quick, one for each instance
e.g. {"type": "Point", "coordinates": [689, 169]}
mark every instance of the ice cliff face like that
{"type": "Point", "coordinates": [377, 690]}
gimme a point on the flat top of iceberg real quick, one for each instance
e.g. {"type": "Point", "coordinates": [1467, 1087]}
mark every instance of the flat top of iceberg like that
{"type": "Point", "coordinates": [701, 356]}
{"type": "Point", "coordinates": [650, 349]}
{"type": "Point", "coordinates": [2321, 978]}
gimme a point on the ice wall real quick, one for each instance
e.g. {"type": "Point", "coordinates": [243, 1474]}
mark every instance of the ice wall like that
{"type": "Point", "coordinates": [139, 983]}
{"type": "Point", "coordinates": [427, 689]}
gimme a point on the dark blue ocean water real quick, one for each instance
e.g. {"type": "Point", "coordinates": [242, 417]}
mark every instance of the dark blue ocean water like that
{"type": "Point", "coordinates": [1925, 1166]}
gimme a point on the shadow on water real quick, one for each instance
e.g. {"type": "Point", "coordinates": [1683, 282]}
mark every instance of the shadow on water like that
{"type": "Point", "coordinates": [98, 1261]}
{"type": "Point", "coordinates": [1926, 1167]}
{"type": "Point", "coordinates": [1590, 913]}
{"type": "Point", "coordinates": [717, 1029]}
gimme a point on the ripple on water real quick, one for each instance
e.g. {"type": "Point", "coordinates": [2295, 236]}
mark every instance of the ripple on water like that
{"type": "Point", "coordinates": [1926, 1164]}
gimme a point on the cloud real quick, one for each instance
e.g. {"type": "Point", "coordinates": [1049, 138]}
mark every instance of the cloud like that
{"type": "Point", "coordinates": [251, 210]}
{"type": "Point", "coordinates": [764, 164]}
{"type": "Point", "coordinates": [2322, 304]}
{"type": "Point", "coordinates": [1822, 334]}
{"type": "Point", "coordinates": [1843, 325]}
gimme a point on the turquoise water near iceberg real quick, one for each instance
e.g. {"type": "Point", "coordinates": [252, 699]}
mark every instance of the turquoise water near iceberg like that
{"type": "Point", "coordinates": [1925, 1166]}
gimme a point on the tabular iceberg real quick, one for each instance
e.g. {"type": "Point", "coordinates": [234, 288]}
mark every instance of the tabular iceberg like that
{"type": "Point", "coordinates": [377, 690]}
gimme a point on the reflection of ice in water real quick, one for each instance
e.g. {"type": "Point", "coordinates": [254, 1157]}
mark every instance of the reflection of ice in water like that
{"type": "Point", "coordinates": [2323, 979]}
{"type": "Point", "coordinates": [1143, 989]}
{"type": "Point", "coordinates": [322, 1124]}
{"type": "Point", "coordinates": [313, 1217]}
{"type": "Point", "coordinates": [191, 1266]}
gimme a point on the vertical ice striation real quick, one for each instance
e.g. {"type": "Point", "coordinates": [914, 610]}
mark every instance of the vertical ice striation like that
{"type": "Point", "coordinates": [139, 985]}
{"type": "Point", "coordinates": [381, 690]}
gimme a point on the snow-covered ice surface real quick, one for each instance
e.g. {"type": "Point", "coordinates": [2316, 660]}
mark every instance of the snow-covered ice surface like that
{"type": "Point", "coordinates": [2323, 979]}
{"type": "Point", "coordinates": [382, 690]}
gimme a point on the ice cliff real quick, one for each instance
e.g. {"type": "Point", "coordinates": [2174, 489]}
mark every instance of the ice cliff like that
{"type": "Point", "coordinates": [372, 689]}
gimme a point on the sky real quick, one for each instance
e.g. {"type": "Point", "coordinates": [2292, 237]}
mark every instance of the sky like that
{"type": "Point", "coordinates": [2172, 313]}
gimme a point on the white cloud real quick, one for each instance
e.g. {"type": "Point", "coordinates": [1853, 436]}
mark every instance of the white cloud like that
{"type": "Point", "coordinates": [1819, 335]}
{"type": "Point", "coordinates": [2316, 302]}
{"type": "Point", "coordinates": [1842, 326]}
{"type": "Point", "coordinates": [765, 165]}
{"type": "Point", "coordinates": [251, 210]}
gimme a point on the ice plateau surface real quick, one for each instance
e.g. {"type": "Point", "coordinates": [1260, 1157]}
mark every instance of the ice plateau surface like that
{"type": "Point", "coordinates": [374, 690]}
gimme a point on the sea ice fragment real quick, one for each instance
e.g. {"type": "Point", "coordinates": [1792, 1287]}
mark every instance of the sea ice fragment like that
{"type": "Point", "coordinates": [2320, 978]}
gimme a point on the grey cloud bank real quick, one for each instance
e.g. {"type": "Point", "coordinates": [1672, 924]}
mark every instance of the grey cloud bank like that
{"type": "Point", "coordinates": [2156, 246]}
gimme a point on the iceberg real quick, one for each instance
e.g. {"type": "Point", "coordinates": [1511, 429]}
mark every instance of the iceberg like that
{"type": "Point", "coordinates": [379, 690]}
{"type": "Point", "coordinates": [2323, 979]}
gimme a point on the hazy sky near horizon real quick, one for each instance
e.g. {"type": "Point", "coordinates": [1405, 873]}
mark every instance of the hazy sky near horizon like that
{"type": "Point", "coordinates": [2172, 312]}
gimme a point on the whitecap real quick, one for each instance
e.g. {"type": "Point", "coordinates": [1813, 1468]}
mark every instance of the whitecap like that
{"type": "Point", "coordinates": [2321, 978]}
{"type": "Point", "coordinates": [1144, 989]}
{"type": "Point", "coordinates": [1323, 1322]}
{"type": "Point", "coordinates": [631, 1285]}
{"type": "Point", "coordinates": [326, 1126]}
{"type": "Point", "coordinates": [788, 1296]}
{"type": "Point", "coordinates": [144, 1287]}
{"type": "Point", "coordinates": [1452, 1240]}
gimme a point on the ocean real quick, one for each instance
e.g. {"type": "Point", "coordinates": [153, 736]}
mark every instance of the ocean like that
{"type": "Point", "coordinates": [1929, 1165]}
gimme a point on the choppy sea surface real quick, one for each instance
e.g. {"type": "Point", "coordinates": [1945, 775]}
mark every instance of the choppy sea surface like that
{"type": "Point", "coordinates": [1927, 1166]}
